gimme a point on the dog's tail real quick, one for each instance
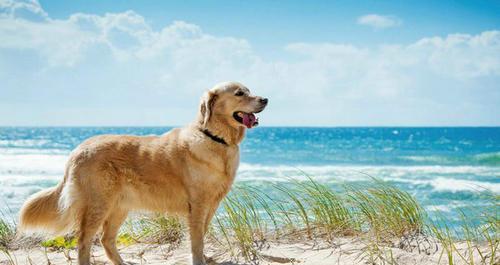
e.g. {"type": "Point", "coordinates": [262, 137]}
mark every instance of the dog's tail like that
{"type": "Point", "coordinates": [43, 212]}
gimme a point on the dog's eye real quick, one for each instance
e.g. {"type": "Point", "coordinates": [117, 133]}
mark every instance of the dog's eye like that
{"type": "Point", "coordinates": [239, 93]}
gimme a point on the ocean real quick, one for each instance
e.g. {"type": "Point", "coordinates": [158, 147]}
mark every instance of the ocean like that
{"type": "Point", "coordinates": [446, 169]}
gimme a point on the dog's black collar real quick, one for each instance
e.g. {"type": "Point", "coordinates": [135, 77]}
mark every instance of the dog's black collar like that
{"type": "Point", "coordinates": [213, 137]}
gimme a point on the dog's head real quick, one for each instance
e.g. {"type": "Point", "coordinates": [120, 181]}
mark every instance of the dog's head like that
{"type": "Point", "coordinates": [232, 103]}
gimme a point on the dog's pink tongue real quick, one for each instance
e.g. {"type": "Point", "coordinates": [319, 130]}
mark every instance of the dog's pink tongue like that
{"type": "Point", "coordinates": [249, 120]}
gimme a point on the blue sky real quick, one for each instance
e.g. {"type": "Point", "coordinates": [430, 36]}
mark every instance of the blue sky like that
{"type": "Point", "coordinates": [321, 63]}
{"type": "Point", "coordinates": [270, 25]}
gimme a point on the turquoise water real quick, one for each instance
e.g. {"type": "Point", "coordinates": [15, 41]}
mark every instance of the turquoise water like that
{"type": "Point", "coordinates": [447, 169]}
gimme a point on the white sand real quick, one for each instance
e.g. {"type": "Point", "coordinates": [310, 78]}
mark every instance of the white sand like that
{"type": "Point", "coordinates": [342, 251]}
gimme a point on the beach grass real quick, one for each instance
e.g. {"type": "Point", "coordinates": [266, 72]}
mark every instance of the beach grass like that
{"type": "Point", "coordinates": [469, 234]}
{"type": "Point", "coordinates": [152, 228]}
{"type": "Point", "coordinates": [7, 236]}
{"type": "Point", "coordinates": [385, 210]}
{"type": "Point", "coordinates": [378, 212]}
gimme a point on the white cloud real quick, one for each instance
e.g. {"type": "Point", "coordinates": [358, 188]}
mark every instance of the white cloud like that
{"type": "Point", "coordinates": [462, 55]}
{"type": "Point", "coordinates": [104, 63]}
{"type": "Point", "coordinates": [22, 9]}
{"type": "Point", "coordinates": [379, 21]}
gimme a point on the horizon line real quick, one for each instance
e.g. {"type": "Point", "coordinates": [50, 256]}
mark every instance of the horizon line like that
{"type": "Point", "coordinates": [265, 126]}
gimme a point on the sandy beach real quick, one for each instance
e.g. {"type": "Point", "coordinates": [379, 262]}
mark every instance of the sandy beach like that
{"type": "Point", "coordinates": [342, 250]}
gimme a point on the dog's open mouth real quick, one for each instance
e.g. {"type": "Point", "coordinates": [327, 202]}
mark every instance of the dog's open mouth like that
{"type": "Point", "coordinates": [247, 119]}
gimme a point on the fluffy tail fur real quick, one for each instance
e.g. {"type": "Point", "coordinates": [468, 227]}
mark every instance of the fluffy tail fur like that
{"type": "Point", "coordinates": [42, 211]}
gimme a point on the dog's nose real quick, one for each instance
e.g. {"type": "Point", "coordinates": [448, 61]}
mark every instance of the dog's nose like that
{"type": "Point", "coordinates": [264, 101]}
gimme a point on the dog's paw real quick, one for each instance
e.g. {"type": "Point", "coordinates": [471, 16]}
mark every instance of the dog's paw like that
{"type": "Point", "coordinates": [210, 261]}
{"type": "Point", "coordinates": [200, 262]}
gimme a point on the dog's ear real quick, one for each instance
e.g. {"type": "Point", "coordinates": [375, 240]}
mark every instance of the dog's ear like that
{"type": "Point", "coordinates": [206, 106]}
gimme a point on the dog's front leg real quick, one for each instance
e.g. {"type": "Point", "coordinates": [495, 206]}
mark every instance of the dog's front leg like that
{"type": "Point", "coordinates": [209, 216]}
{"type": "Point", "coordinates": [196, 226]}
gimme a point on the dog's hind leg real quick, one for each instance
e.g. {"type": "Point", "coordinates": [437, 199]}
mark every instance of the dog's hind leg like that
{"type": "Point", "coordinates": [91, 220]}
{"type": "Point", "coordinates": [109, 231]}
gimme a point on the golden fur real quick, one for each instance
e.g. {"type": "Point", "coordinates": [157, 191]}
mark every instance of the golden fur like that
{"type": "Point", "coordinates": [182, 172]}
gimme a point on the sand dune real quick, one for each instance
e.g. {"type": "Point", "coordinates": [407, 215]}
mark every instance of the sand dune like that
{"type": "Point", "coordinates": [347, 250]}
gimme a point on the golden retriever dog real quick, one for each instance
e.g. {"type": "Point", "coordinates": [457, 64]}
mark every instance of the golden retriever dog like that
{"type": "Point", "coordinates": [186, 172]}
